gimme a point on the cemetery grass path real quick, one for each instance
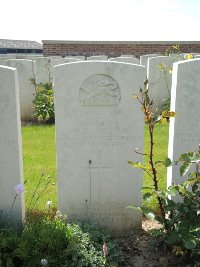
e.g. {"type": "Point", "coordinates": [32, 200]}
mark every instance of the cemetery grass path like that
{"type": "Point", "coordinates": [39, 156]}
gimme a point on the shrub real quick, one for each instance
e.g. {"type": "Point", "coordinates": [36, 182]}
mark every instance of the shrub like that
{"type": "Point", "coordinates": [46, 239]}
{"type": "Point", "coordinates": [180, 219]}
{"type": "Point", "coordinates": [44, 103]}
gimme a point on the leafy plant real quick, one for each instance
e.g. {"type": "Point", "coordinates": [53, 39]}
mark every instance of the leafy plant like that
{"type": "Point", "coordinates": [180, 219]}
{"type": "Point", "coordinates": [47, 239]}
{"type": "Point", "coordinates": [44, 103]}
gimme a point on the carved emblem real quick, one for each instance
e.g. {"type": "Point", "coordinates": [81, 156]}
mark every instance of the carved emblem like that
{"type": "Point", "coordinates": [100, 90]}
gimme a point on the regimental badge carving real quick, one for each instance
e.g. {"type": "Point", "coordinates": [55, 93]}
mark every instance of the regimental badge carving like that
{"type": "Point", "coordinates": [100, 90]}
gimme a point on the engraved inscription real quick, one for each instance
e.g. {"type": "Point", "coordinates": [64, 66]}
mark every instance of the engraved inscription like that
{"type": "Point", "coordinates": [100, 90]}
{"type": "Point", "coordinates": [100, 212]}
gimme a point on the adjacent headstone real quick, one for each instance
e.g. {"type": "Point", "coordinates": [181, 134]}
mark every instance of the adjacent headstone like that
{"type": "Point", "coordinates": [102, 57]}
{"type": "Point", "coordinates": [97, 129]}
{"type": "Point", "coordinates": [185, 127]}
{"type": "Point", "coordinates": [59, 61]}
{"type": "Point", "coordinates": [144, 59]}
{"type": "Point", "coordinates": [159, 78]}
{"type": "Point", "coordinates": [77, 57]}
{"type": "Point", "coordinates": [11, 172]}
{"type": "Point", "coordinates": [127, 55]}
{"type": "Point", "coordinates": [26, 77]}
{"type": "Point", "coordinates": [3, 62]}
{"type": "Point", "coordinates": [131, 60]}
{"type": "Point", "coordinates": [43, 69]}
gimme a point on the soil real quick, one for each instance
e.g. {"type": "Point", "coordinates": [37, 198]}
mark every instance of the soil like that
{"type": "Point", "coordinates": [141, 250]}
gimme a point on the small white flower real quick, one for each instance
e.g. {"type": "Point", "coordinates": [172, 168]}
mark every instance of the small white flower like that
{"type": "Point", "coordinates": [19, 188]}
{"type": "Point", "coordinates": [44, 262]}
{"type": "Point", "coordinates": [58, 214]}
{"type": "Point", "coordinates": [49, 203]}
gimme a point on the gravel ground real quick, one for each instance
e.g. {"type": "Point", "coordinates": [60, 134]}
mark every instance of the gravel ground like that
{"type": "Point", "coordinates": [140, 250]}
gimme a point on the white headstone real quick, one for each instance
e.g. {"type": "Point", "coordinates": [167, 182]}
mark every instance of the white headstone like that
{"type": "Point", "coordinates": [97, 129]}
{"type": "Point", "coordinates": [184, 134]}
{"type": "Point", "coordinates": [102, 57]}
{"type": "Point", "coordinates": [159, 78]}
{"type": "Point", "coordinates": [77, 57]}
{"type": "Point", "coordinates": [144, 59]}
{"type": "Point", "coordinates": [59, 61]}
{"type": "Point", "coordinates": [11, 166]}
{"type": "Point", "coordinates": [43, 69]}
{"type": "Point", "coordinates": [131, 60]}
{"type": "Point", "coordinates": [26, 76]}
{"type": "Point", "coordinates": [127, 55]}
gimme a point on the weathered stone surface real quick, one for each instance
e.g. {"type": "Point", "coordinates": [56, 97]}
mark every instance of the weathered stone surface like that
{"type": "Point", "coordinates": [26, 76]}
{"type": "Point", "coordinates": [144, 59]}
{"type": "Point", "coordinates": [43, 69]}
{"type": "Point", "coordinates": [159, 78]}
{"type": "Point", "coordinates": [11, 172]}
{"type": "Point", "coordinates": [97, 128]}
{"type": "Point", "coordinates": [185, 127]}
{"type": "Point", "coordinates": [102, 57]}
{"type": "Point", "coordinates": [131, 60]}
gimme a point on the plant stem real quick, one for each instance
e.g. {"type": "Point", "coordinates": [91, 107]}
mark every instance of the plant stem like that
{"type": "Point", "coordinates": [149, 116]}
{"type": "Point", "coordinates": [155, 180]}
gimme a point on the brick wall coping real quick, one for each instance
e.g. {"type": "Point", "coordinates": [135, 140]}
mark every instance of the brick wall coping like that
{"type": "Point", "coordinates": [120, 42]}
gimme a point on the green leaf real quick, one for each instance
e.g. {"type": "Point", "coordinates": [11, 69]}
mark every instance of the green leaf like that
{"type": "Point", "coordinates": [134, 207]}
{"type": "Point", "coordinates": [159, 219]}
{"type": "Point", "coordinates": [187, 156]}
{"type": "Point", "coordinates": [190, 243]}
{"type": "Point", "coordinates": [149, 213]}
{"type": "Point", "coordinates": [147, 188]}
{"type": "Point", "coordinates": [138, 165]}
{"type": "Point", "coordinates": [167, 162]}
{"type": "Point", "coordinates": [147, 196]}
{"type": "Point", "coordinates": [185, 167]}
{"type": "Point", "coordinates": [173, 237]}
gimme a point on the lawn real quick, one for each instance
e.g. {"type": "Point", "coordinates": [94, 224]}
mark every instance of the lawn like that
{"type": "Point", "coordinates": [39, 158]}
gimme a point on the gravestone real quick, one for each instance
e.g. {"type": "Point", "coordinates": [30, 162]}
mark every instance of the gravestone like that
{"type": "Point", "coordinates": [144, 58]}
{"type": "Point", "coordinates": [11, 172]}
{"type": "Point", "coordinates": [59, 61]}
{"type": "Point", "coordinates": [102, 57]}
{"type": "Point", "coordinates": [98, 126]}
{"type": "Point", "coordinates": [26, 76]}
{"type": "Point", "coordinates": [128, 55]}
{"type": "Point", "coordinates": [131, 60]}
{"type": "Point", "coordinates": [77, 57]}
{"type": "Point", "coordinates": [184, 133]}
{"type": "Point", "coordinates": [43, 69]}
{"type": "Point", "coordinates": [159, 78]}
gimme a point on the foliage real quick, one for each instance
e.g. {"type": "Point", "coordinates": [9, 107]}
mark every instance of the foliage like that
{"type": "Point", "coordinates": [44, 103]}
{"type": "Point", "coordinates": [180, 218]}
{"type": "Point", "coordinates": [47, 239]}
{"type": "Point", "coordinates": [39, 140]}
{"type": "Point", "coordinates": [98, 237]}
{"type": "Point", "coordinates": [164, 106]}
{"type": "Point", "coordinates": [174, 49]}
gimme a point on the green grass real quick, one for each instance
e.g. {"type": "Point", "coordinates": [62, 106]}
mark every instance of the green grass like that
{"type": "Point", "coordinates": [160, 153]}
{"type": "Point", "coordinates": [39, 156]}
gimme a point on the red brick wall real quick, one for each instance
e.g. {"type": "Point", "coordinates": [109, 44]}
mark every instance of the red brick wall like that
{"type": "Point", "coordinates": [113, 49]}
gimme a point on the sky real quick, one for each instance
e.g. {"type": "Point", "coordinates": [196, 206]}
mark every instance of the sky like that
{"type": "Point", "coordinates": [100, 20]}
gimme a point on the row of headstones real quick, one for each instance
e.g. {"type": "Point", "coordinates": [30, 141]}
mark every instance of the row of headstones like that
{"type": "Point", "coordinates": [40, 70]}
{"type": "Point", "coordinates": [97, 128]}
